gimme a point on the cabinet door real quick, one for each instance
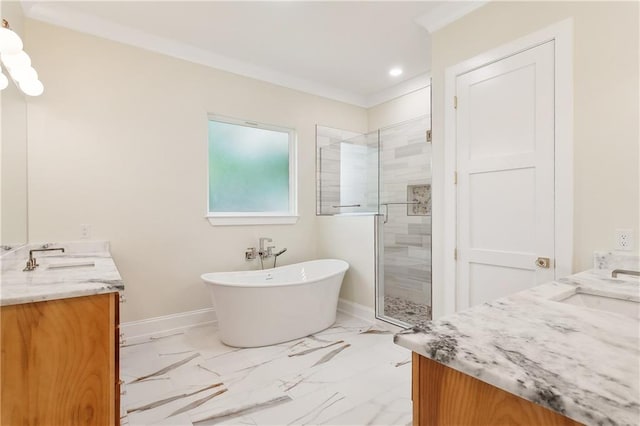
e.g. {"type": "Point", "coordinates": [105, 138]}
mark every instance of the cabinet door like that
{"type": "Point", "coordinates": [443, 396]}
{"type": "Point", "coordinates": [59, 362]}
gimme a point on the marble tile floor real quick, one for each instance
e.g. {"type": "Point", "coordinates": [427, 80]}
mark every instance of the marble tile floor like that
{"type": "Point", "coordinates": [349, 374]}
{"type": "Point", "coordinates": [416, 314]}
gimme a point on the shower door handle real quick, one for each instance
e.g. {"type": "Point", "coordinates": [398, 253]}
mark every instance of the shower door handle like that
{"type": "Point", "coordinates": [385, 214]}
{"type": "Point", "coordinates": [386, 208]}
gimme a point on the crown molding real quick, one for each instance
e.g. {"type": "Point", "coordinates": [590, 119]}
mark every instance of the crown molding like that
{"type": "Point", "coordinates": [26, 6]}
{"type": "Point", "coordinates": [408, 86]}
{"type": "Point", "coordinates": [63, 16]}
{"type": "Point", "coordinates": [446, 13]}
{"type": "Point", "coordinates": [58, 14]}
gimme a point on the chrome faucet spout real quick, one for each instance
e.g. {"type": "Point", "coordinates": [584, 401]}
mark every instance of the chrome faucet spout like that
{"type": "Point", "coordinates": [264, 240]}
{"type": "Point", "coordinates": [265, 252]}
{"type": "Point", "coordinates": [615, 272]}
{"type": "Point", "coordinates": [32, 263]}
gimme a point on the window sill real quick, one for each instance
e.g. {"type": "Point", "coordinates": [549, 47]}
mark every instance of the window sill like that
{"type": "Point", "coordinates": [251, 220]}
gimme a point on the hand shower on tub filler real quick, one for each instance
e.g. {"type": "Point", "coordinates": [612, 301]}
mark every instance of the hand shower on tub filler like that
{"type": "Point", "coordinates": [264, 252]}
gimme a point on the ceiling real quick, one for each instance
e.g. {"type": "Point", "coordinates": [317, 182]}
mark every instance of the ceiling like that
{"type": "Point", "coordinates": [340, 50]}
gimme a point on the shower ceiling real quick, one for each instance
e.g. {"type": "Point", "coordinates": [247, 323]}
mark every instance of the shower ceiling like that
{"type": "Point", "coordinates": [341, 50]}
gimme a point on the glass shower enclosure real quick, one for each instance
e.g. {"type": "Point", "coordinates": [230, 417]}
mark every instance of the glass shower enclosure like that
{"type": "Point", "coordinates": [346, 172]}
{"type": "Point", "coordinates": [403, 227]}
{"type": "Point", "coordinates": [387, 174]}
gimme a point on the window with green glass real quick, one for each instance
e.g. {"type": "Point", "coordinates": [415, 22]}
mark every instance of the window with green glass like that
{"type": "Point", "coordinates": [250, 169]}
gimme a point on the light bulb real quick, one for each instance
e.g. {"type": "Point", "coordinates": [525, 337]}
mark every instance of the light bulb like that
{"type": "Point", "coordinates": [16, 60]}
{"type": "Point", "coordinates": [31, 87]}
{"type": "Point", "coordinates": [23, 74]}
{"type": "Point", "coordinates": [10, 42]}
{"type": "Point", "coordinates": [4, 81]}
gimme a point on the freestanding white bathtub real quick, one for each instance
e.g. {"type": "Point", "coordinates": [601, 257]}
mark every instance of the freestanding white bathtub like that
{"type": "Point", "coordinates": [259, 308]}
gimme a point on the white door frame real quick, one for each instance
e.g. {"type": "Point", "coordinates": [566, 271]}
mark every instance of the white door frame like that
{"type": "Point", "coordinates": [562, 33]}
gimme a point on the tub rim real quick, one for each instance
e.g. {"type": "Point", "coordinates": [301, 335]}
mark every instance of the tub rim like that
{"type": "Point", "coordinates": [344, 267]}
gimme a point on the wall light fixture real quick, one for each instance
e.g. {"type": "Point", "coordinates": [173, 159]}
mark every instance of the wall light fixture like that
{"type": "Point", "coordinates": [17, 63]}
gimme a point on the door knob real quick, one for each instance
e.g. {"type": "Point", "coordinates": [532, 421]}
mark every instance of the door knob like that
{"type": "Point", "coordinates": [543, 262]}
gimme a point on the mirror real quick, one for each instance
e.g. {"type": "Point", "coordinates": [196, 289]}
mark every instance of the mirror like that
{"type": "Point", "coordinates": [13, 171]}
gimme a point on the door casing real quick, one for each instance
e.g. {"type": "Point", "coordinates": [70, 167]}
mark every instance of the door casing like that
{"type": "Point", "coordinates": [444, 275]}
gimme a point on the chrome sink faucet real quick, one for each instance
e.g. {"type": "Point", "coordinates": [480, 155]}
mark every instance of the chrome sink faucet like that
{"type": "Point", "coordinates": [615, 272]}
{"type": "Point", "coordinates": [32, 263]}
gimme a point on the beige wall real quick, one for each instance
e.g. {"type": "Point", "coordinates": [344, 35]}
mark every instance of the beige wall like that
{"type": "Point", "coordinates": [403, 108]}
{"type": "Point", "coordinates": [606, 138]}
{"type": "Point", "coordinates": [118, 141]}
{"type": "Point", "coordinates": [13, 148]}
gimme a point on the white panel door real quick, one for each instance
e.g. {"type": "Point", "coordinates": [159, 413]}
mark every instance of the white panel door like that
{"type": "Point", "coordinates": [505, 166]}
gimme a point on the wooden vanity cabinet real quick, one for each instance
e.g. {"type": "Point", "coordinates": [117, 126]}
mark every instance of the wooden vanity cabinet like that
{"type": "Point", "coordinates": [444, 396]}
{"type": "Point", "coordinates": [60, 361]}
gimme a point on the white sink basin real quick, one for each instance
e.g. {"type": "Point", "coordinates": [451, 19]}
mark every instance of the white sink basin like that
{"type": "Point", "coordinates": [628, 308]}
{"type": "Point", "coordinates": [65, 265]}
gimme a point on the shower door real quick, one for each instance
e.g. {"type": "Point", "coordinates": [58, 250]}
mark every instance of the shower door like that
{"type": "Point", "coordinates": [403, 225]}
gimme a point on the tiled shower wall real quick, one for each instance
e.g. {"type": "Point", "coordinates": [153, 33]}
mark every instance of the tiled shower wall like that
{"type": "Point", "coordinates": [351, 168]}
{"type": "Point", "coordinates": [328, 171]}
{"type": "Point", "coordinates": [406, 160]}
{"type": "Point", "coordinates": [347, 171]}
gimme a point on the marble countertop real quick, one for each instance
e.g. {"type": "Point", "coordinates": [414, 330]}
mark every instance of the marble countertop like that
{"type": "Point", "coordinates": [86, 268]}
{"type": "Point", "coordinates": [580, 362]}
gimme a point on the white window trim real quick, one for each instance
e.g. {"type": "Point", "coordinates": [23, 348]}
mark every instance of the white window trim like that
{"type": "Point", "coordinates": [259, 218]}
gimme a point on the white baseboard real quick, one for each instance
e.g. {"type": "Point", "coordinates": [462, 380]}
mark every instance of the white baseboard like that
{"type": "Point", "coordinates": [141, 331]}
{"type": "Point", "coordinates": [135, 332]}
{"type": "Point", "coordinates": [357, 310]}
{"type": "Point", "coordinates": [365, 313]}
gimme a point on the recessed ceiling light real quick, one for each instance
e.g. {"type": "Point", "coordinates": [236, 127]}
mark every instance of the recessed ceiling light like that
{"type": "Point", "coordinates": [394, 72]}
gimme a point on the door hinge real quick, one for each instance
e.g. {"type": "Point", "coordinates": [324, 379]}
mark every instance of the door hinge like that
{"type": "Point", "coordinates": [455, 178]}
{"type": "Point", "coordinates": [455, 254]}
{"type": "Point", "coordinates": [455, 102]}
{"type": "Point", "coordinates": [428, 135]}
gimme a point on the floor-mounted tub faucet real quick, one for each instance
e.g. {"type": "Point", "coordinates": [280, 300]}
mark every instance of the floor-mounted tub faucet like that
{"type": "Point", "coordinates": [265, 252]}
{"type": "Point", "coordinates": [262, 252]}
